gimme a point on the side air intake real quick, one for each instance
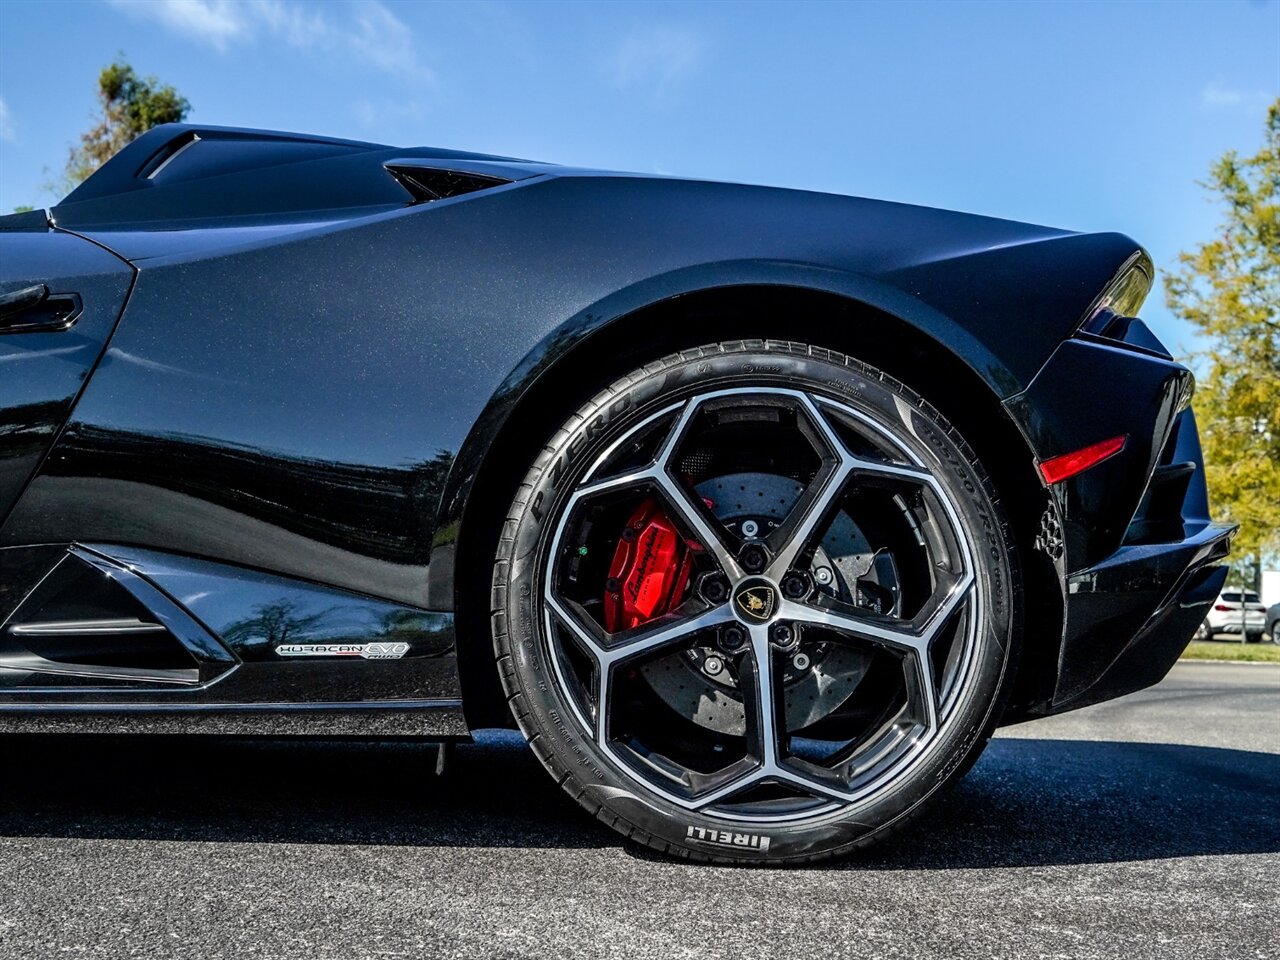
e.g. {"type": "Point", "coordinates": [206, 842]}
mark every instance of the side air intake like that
{"type": "Point", "coordinates": [93, 622]}
{"type": "Point", "coordinates": [428, 183]}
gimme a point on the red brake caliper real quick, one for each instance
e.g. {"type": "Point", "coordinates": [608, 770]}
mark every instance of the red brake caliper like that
{"type": "Point", "coordinates": [650, 569]}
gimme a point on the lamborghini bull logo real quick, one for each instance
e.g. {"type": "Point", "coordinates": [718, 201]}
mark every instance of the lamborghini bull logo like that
{"type": "Point", "coordinates": [756, 601]}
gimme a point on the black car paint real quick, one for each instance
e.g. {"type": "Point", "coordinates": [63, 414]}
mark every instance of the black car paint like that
{"type": "Point", "coordinates": [42, 373]}
{"type": "Point", "coordinates": [312, 368]}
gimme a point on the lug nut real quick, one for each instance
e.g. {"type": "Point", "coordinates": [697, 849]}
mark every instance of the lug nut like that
{"type": "Point", "coordinates": [733, 637]}
{"type": "Point", "coordinates": [782, 635]}
{"type": "Point", "coordinates": [713, 588]}
{"type": "Point", "coordinates": [753, 558]}
{"type": "Point", "coordinates": [796, 585]}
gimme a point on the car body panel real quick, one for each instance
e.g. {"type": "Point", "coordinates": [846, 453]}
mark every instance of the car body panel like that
{"type": "Point", "coordinates": [42, 372]}
{"type": "Point", "coordinates": [334, 351]}
{"type": "Point", "coordinates": [316, 359]}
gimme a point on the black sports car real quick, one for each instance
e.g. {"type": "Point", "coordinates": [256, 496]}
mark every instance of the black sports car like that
{"type": "Point", "coordinates": [755, 509]}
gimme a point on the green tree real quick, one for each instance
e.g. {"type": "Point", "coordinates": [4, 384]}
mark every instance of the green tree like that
{"type": "Point", "coordinates": [1228, 289]}
{"type": "Point", "coordinates": [131, 105]}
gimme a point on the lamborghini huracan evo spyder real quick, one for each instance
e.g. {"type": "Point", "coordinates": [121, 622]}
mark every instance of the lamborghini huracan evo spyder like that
{"type": "Point", "coordinates": [755, 509]}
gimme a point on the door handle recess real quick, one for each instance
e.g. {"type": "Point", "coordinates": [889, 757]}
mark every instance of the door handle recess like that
{"type": "Point", "coordinates": [35, 310]}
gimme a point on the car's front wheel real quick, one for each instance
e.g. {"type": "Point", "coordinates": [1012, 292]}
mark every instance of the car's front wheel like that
{"type": "Point", "coordinates": [755, 602]}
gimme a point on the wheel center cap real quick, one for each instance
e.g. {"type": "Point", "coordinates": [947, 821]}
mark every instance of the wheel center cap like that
{"type": "Point", "coordinates": [755, 600]}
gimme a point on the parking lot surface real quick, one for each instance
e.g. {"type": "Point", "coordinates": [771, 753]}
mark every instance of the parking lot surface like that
{"type": "Point", "coordinates": [1147, 827]}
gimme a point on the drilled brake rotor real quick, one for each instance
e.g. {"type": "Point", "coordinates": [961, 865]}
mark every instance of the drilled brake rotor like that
{"type": "Point", "coordinates": [701, 683]}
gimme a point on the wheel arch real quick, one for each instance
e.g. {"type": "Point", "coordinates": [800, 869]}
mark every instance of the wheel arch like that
{"type": "Point", "coordinates": [607, 341]}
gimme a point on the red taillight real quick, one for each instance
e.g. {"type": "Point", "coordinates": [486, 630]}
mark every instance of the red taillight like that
{"type": "Point", "coordinates": [1221, 606]}
{"type": "Point", "coordinates": [1069, 464]}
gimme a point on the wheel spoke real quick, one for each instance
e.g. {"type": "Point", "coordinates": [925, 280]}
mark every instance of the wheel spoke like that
{"type": "Point", "coordinates": [788, 542]}
{"type": "Point", "coordinates": [724, 783]}
{"type": "Point", "coordinates": [913, 641]}
{"type": "Point", "coordinates": [659, 473]}
{"type": "Point", "coordinates": [793, 535]}
{"type": "Point", "coordinates": [696, 520]}
{"type": "Point", "coordinates": [631, 479]}
{"type": "Point", "coordinates": [590, 637]}
{"type": "Point", "coordinates": [790, 538]}
{"type": "Point", "coordinates": [881, 468]}
{"type": "Point", "coordinates": [681, 499]}
{"type": "Point", "coordinates": [756, 679]}
{"type": "Point", "coordinates": [846, 619]}
{"type": "Point", "coordinates": [921, 688]}
{"type": "Point", "coordinates": [955, 596]}
{"type": "Point", "coordinates": [663, 632]}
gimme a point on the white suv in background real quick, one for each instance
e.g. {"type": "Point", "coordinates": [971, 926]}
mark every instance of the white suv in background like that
{"type": "Point", "coordinates": [1235, 611]}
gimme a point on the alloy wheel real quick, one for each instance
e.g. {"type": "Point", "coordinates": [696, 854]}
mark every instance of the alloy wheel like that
{"type": "Point", "coordinates": [759, 602]}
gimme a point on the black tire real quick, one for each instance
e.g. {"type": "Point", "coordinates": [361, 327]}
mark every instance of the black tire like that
{"type": "Point", "coordinates": [544, 707]}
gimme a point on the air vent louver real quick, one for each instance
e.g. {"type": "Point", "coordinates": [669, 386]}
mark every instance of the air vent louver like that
{"type": "Point", "coordinates": [425, 184]}
{"type": "Point", "coordinates": [79, 623]}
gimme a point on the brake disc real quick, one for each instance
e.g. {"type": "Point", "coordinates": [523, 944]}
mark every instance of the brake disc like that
{"type": "Point", "coordinates": [701, 683]}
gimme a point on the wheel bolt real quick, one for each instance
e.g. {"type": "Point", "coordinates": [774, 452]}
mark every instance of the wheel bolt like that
{"type": "Point", "coordinates": [753, 558]}
{"type": "Point", "coordinates": [782, 635]}
{"type": "Point", "coordinates": [796, 585]}
{"type": "Point", "coordinates": [733, 637]}
{"type": "Point", "coordinates": [713, 588]}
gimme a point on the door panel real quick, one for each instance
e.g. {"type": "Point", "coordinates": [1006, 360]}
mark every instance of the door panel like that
{"type": "Point", "coordinates": [50, 340]}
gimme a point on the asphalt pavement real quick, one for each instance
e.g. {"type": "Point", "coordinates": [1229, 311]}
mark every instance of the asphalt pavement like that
{"type": "Point", "coordinates": [1147, 827]}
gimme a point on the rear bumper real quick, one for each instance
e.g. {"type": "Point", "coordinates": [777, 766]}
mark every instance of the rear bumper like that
{"type": "Point", "coordinates": [1252, 622]}
{"type": "Point", "coordinates": [1128, 543]}
{"type": "Point", "coordinates": [1130, 617]}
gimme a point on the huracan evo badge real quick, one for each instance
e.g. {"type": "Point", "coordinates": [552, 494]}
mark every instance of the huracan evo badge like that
{"type": "Point", "coordinates": [756, 601]}
{"type": "Point", "coordinates": [367, 651]}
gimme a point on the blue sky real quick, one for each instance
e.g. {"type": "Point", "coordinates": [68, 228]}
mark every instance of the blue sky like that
{"type": "Point", "coordinates": [1090, 116]}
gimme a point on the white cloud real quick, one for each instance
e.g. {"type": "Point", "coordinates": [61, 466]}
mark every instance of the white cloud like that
{"type": "Point", "coordinates": [369, 33]}
{"type": "Point", "coordinates": [656, 58]}
{"type": "Point", "coordinates": [6, 125]}
{"type": "Point", "coordinates": [383, 39]}
{"type": "Point", "coordinates": [215, 22]}
{"type": "Point", "coordinates": [1219, 94]}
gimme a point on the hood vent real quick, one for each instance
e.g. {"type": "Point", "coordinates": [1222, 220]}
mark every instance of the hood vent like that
{"type": "Point", "coordinates": [427, 183]}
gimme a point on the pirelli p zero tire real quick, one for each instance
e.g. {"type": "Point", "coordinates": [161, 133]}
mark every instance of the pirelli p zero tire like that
{"type": "Point", "coordinates": [756, 602]}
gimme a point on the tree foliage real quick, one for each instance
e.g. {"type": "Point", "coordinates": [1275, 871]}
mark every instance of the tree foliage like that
{"type": "Point", "coordinates": [131, 105]}
{"type": "Point", "coordinates": [1229, 290]}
